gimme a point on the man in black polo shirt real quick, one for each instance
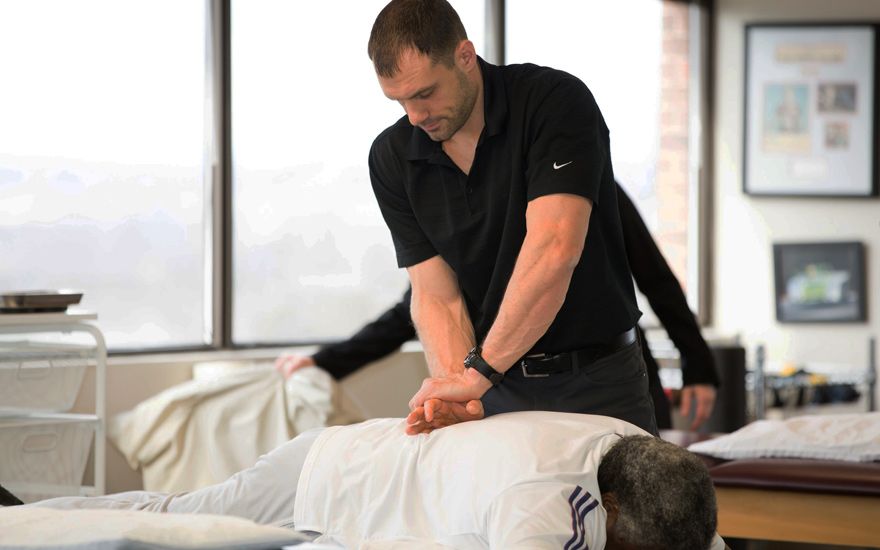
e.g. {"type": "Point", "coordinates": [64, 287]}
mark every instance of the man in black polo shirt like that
{"type": "Point", "coordinates": [499, 192]}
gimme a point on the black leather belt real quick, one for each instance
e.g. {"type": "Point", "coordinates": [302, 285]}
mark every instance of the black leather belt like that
{"type": "Point", "coordinates": [539, 366]}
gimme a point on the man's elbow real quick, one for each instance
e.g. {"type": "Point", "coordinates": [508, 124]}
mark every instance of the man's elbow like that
{"type": "Point", "coordinates": [564, 256]}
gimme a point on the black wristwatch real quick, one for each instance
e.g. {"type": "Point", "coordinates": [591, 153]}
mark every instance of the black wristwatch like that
{"type": "Point", "coordinates": [475, 361]}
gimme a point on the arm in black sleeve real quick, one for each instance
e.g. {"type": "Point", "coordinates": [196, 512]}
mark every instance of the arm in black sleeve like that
{"type": "Point", "coordinates": [656, 281]}
{"type": "Point", "coordinates": [374, 341]}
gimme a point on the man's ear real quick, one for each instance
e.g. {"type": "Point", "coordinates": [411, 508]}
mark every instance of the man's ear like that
{"type": "Point", "coordinates": [609, 502]}
{"type": "Point", "coordinates": [466, 56]}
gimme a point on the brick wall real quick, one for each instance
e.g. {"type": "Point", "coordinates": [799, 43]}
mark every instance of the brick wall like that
{"type": "Point", "coordinates": [672, 165]}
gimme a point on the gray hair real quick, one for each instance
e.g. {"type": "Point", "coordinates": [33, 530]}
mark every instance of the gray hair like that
{"type": "Point", "coordinates": [665, 494]}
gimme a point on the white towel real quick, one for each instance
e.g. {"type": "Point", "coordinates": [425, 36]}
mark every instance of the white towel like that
{"type": "Point", "coordinates": [201, 432]}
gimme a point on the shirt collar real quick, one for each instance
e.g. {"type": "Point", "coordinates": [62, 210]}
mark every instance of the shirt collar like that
{"type": "Point", "coordinates": [422, 147]}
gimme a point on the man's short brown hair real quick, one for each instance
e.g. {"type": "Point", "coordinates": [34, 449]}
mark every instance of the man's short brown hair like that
{"type": "Point", "coordinates": [430, 27]}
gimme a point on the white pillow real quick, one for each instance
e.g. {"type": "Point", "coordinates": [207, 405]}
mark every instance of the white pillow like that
{"type": "Point", "coordinates": [37, 528]}
{"type": "Point", "coordinates": [850, 437]}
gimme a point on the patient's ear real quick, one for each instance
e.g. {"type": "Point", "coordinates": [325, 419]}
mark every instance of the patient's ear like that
{"type": "Point", "coordinates": [609, 502]}
{"type": "Point", "coordinates": [612, 542]}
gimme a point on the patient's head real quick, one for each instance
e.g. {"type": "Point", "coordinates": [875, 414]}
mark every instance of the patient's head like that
{"type": "Point", "coordinates": [658, 495]}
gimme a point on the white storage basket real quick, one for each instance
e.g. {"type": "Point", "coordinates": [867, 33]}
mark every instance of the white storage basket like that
{"type": "Point", "coordinates": [40, 379]}
{"type": "Point", "coordinates": [44, 455]}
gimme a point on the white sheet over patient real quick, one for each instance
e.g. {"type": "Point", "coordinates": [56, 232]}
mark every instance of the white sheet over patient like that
{"type": "Point", "coordinates": [519, 480]}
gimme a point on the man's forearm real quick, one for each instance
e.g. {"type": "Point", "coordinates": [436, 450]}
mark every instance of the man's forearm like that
{"type": "Point", "coordinates": [556, 231]}
{"type": "Point", "coordinates": [445, 330]}
{"type": "Point", "coordinates": [534, 296]}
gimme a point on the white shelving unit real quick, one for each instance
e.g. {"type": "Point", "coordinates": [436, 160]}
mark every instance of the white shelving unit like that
{"type": "Point", "coordinates": [71, 321]}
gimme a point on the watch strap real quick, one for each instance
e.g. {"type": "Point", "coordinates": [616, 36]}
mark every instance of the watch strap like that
{"type": "Point", "coordinates": [475, 361]}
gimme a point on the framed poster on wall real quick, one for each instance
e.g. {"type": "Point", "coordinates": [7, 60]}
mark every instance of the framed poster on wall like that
{"type": "Point", "coordinates": [820, 282]}
{"type": "Point", "coordinates": [810, 110]}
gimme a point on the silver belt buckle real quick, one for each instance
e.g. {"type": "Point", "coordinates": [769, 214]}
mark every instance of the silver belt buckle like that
{"type": "Point", "coordinates": [526, 373]}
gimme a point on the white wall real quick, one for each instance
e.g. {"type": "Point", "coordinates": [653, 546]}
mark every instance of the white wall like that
{"type": "Point", "coordinates": [746, 227]}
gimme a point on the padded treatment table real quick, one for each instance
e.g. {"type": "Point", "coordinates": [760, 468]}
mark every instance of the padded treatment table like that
{"type": "Point", "coordinates": [793, 499]}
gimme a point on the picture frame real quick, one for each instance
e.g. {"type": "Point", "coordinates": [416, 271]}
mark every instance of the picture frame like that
{"type": "Point", "coordinates": [820, 282]}
{"type": "Point", "coordinates": [810, 110]}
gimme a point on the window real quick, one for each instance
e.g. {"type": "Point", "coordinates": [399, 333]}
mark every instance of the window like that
{"type": "Point", "coordinates": [101, 160]}
{"type": "Point", "coordinates": [107, 166]}
{"type": "Point", "coordinates": [638, 58]}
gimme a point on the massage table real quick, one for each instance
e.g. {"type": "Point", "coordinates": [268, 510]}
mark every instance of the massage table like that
{"type": "Point", "coordinates": [793, 499]}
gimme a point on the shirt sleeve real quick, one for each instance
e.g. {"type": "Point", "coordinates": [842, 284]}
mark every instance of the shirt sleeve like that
{"type": "Point", "coordinates": [374, 341]}
{"type": "Point", "coordinates": [567, 142]}
{"type": "Point", "coordinates": [410, 242]}
{"type": "Point", "coordinates": [660, 286]}
{"type": "Point", "coordinates": [546, 515]}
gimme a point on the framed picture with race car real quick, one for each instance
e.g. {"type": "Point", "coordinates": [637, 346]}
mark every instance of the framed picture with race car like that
{"type": "Point", "coordinates": [820, 282]}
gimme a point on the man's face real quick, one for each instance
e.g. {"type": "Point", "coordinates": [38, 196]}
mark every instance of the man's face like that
{"type": "Point", "coordinates": [436, 98]}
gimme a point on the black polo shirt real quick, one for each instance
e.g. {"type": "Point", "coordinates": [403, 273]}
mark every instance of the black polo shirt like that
{"type": "Point", "coordinates": [543, 134]}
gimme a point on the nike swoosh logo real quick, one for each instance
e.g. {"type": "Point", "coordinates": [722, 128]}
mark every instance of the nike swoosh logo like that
{"type": "Point", "coordinates": [558, 166]}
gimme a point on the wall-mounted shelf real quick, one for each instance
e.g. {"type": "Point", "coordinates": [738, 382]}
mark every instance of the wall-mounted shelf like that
{"type": "Point", "coordinates": [761, 380]}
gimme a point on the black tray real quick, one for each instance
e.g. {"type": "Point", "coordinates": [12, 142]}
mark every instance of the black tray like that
{"type": "Point", "coordinates": [38, 301]}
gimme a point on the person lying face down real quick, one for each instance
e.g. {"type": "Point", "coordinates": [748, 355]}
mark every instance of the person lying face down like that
{"type": "Point", "coordinates": [519, 480]}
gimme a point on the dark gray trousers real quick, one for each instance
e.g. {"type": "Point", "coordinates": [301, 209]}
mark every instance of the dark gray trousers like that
{"type": "Point", "coordinates": [616, 385]}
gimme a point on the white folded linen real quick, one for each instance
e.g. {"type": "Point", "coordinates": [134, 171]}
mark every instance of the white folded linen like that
{"type": "Point", "coordinates": [849, 437]}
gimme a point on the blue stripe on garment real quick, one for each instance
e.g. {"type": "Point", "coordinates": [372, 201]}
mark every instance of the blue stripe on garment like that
{"type": "Point", "coordinates": [574, 518]}
{"type": "Point", "coordinates": [585, 505]}
{"type": "Point", "coordinates": [581, 505]}
{"type": "Point", "coordinates": [589, 509]}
